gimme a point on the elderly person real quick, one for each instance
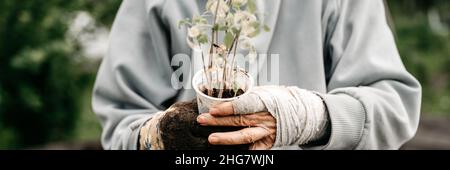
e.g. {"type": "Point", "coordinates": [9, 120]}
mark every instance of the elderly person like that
{"type": "Point", "coordinates": [342, 84]}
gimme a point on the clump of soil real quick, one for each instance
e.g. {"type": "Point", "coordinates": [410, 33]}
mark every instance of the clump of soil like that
{"type": "Point", "coordinates": [180, 130]}
{"type": "Point", "coordinates": [227, 93]}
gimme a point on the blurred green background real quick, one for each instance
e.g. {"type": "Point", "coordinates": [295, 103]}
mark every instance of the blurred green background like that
{"type": "Point", "coordinates": [50, 51]}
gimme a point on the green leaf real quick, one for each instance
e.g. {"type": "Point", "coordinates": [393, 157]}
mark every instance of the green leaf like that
{"type": "Point", "coordinates": [202, 39]}
{"type": "Point", "coordinates": [257, 27]}
{"type": "Point", "coordinates": [223, 27]}
{"type": "Point", "coordinates": [235, 30]}
{"type": "Point", "coordinates": [183, 22]}
{"type": "Point", "coordinates": [255, 33]}
{"type": "Point", "coordinates": [266, 28]}
{"type": "Point", "coordinates": [251, 6]}
{"type": "Point", "coordinates": [236, 6]}
{"type": "Point", "coordinates": [228, 40]}
{"type": "Point", "coordinates": [196, 19]}
{"type": "Point", "coordinates": [255, 24]}
{"type": "Point", "coordinates": [215, 27]}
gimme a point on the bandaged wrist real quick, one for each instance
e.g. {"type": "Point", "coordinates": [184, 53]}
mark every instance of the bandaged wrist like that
{"type": "Point", "coordinates": [300, 114]}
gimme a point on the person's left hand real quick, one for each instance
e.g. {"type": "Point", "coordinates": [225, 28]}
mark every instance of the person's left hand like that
{"type": "Point", "coordinates": [275, 116]}
{"type": "Point", "coordinates": [260, 133]}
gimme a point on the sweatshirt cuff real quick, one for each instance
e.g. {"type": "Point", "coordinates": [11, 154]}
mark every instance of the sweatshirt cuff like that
{"type": "Point", "coordinates": [347, 116]}
{"type": "Point", "coordinates": [133, 140]}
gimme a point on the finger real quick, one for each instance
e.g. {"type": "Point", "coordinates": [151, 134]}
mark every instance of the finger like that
{"type": "Point", "coordinates": [223, 109]}
{"type": "Point", "coordinates": [243, 136]}
{"type": "Point", "coordinates": [263, 144]}
{"type": "Point", "coordinates": [259, 146]}
{"type": "Point", "coordinates": [238, 120]}
{"type": "Point", "coordinates": [264, 118]}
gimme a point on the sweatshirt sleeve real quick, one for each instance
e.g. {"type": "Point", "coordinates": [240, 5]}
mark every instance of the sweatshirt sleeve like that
{"type": "Point", "coordinates": [133, 81]}
{"type": "Point", "coordinates": [373, 102]}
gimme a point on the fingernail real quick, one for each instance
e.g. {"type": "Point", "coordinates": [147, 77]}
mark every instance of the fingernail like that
{"type": "Point", "coordinates": [201, 119]}
{"type": "Point", "coordinates": [213, 139]}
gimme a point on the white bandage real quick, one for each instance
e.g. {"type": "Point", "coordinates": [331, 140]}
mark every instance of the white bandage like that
{"type": "Point", "coordinates": [301, 115]}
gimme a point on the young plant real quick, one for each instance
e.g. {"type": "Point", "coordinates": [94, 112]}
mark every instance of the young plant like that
{"type": "Point", "coordinates": [217, 33]}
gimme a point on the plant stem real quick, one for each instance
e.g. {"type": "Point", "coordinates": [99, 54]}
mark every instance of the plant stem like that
{"type": "Point", "coordinates": [208, 78]}
{"type": "Point", "coordinates": [224, 77]}
{"type": "Point", "coordinates": [211, 51]}
{"type": "Point", "coordinates": [234, 53]}
{"type": "Point", "coordinates": [213, 40]}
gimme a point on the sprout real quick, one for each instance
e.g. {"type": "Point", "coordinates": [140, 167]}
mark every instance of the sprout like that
{"type": "Point", "coordinates": [194, 32]}
{"type": "Point", "coordinates": [225, 26]}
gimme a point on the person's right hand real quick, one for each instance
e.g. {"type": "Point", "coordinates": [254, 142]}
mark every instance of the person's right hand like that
{"type": "Point", "coordinates": [177, 129]}
{"type": "Point", "coordinates": [167, 123]}
{"type": "Point", "coordinates": [149, 136]}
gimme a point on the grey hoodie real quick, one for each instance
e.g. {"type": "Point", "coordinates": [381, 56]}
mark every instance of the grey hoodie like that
{"type": "Point", "coordinates": [342, 49]}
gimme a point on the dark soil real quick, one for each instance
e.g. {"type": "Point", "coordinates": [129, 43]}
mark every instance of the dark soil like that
{"type": "Point", "coordinates": [180, 130]}
{"type": "Point", "coordinates": [227, 93]}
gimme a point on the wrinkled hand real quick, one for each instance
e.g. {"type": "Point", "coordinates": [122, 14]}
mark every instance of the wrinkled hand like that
{"type": "Point", "coordinates": [260, 133]}
{"type": "Point", "coordinates": [149, 136]}
{"type": "Point", "coordinates": [176, 129]}
{"type": "Point", "coordinates": [275, 116]}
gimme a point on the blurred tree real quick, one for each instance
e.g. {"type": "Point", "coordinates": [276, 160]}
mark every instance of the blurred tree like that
{"type": "Point", "coordinates": [40, 68]}
{"type": "Point", "coordinates": [425, 51]}
{"type": "Point", "coordinates": [417, 5]}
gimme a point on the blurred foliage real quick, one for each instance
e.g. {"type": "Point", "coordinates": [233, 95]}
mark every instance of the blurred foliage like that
{"type": "Point", "coordinates": [41, 70]}
{"type": "Point", "coordinates": [425, 52]}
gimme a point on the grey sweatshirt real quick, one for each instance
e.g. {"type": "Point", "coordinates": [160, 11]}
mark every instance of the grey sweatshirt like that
{"type": "Point", "coordinates": [342, 49]}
